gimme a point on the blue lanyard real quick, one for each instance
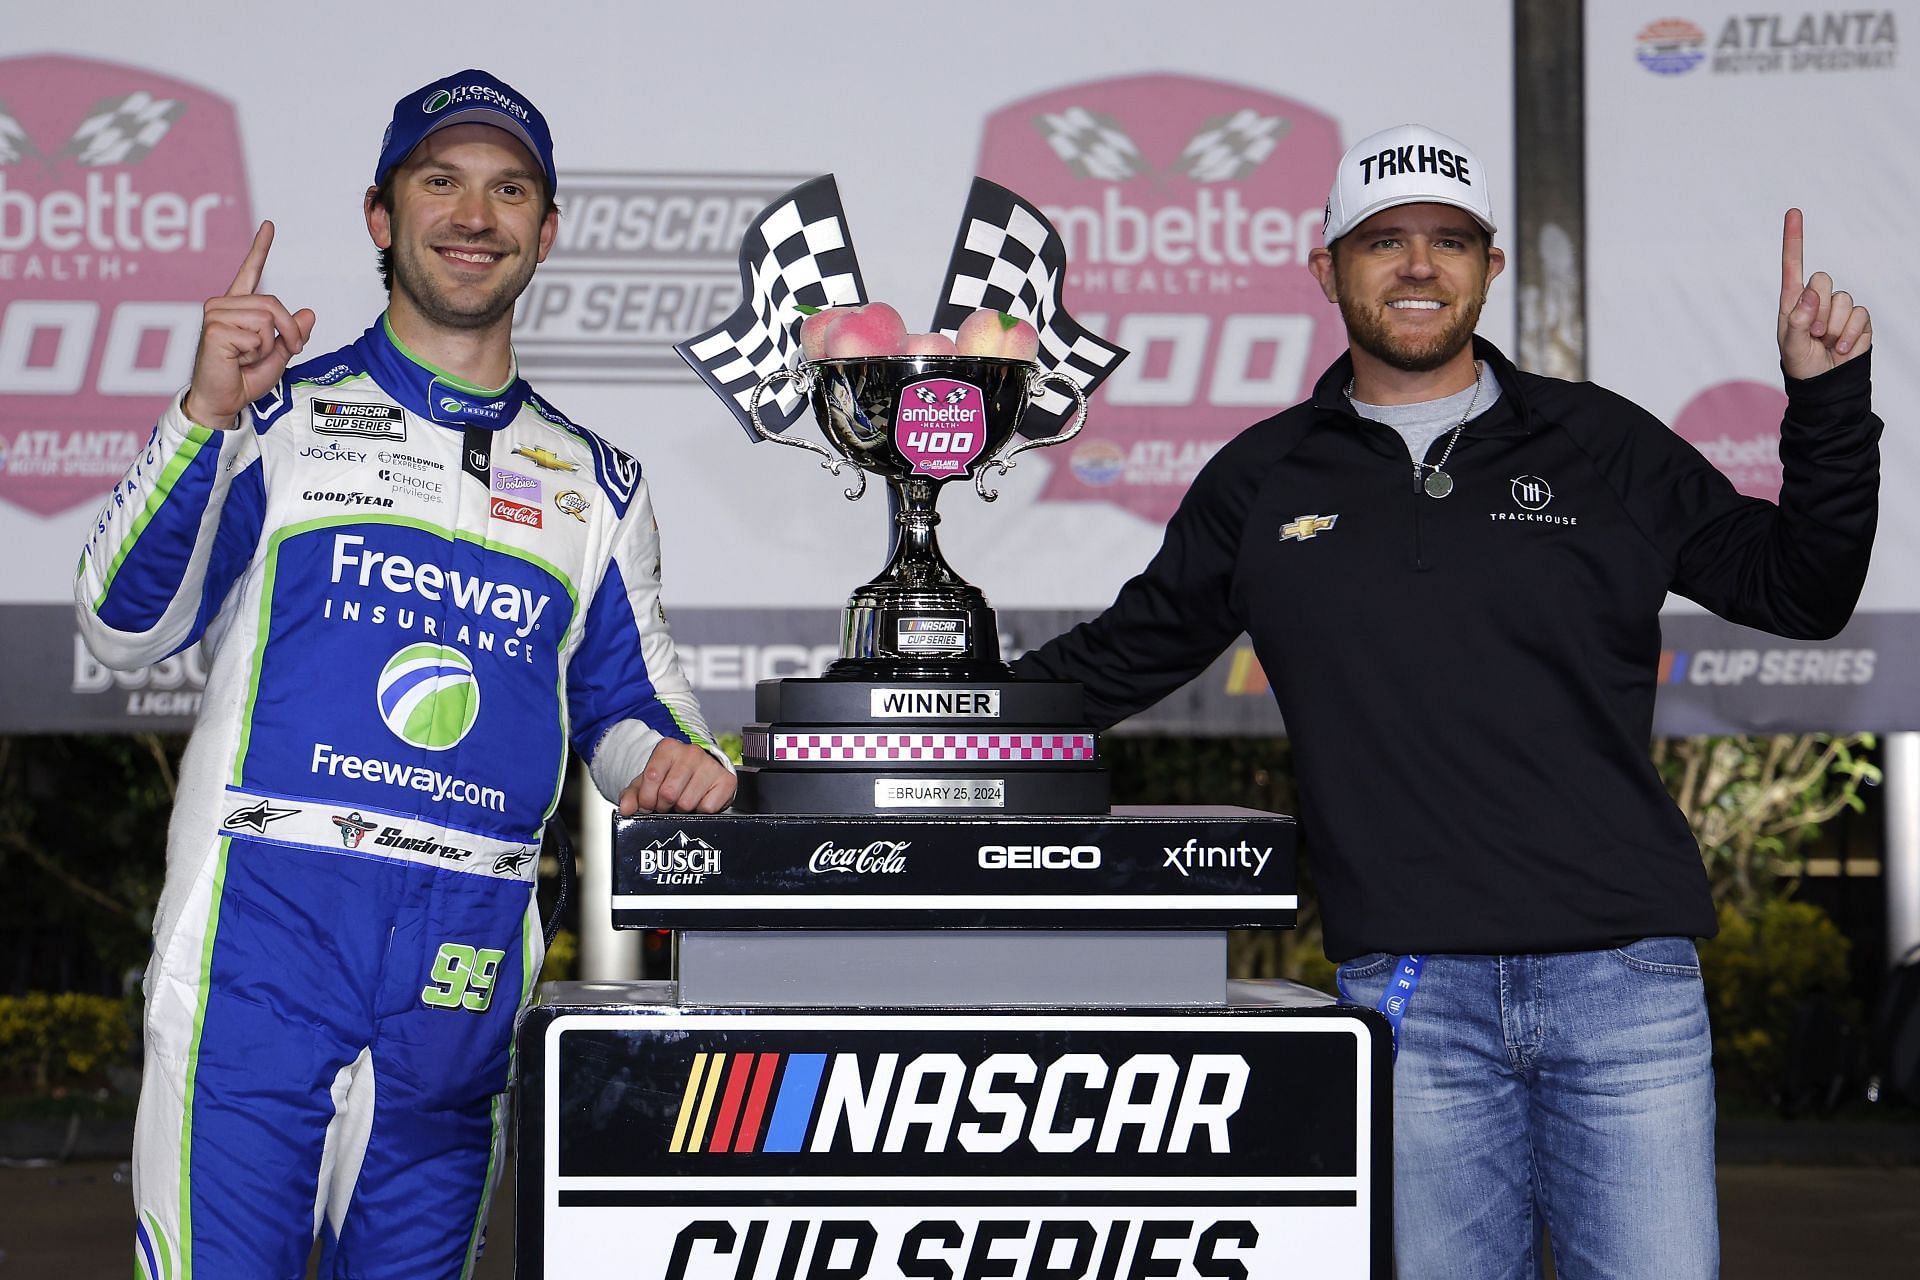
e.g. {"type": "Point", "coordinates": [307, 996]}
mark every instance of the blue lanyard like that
{"type": "Point", "coordinates": [1399, 994]}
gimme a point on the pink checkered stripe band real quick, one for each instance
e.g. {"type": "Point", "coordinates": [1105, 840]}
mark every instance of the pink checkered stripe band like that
{"type": "Point", "coordinates": [932, 746]}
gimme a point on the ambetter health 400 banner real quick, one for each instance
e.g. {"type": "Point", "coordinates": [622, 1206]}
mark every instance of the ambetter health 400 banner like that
{"type": "Point", "coordinates": [1705, 124]}
{"type": "Point", "coordinates": [1183, 153]}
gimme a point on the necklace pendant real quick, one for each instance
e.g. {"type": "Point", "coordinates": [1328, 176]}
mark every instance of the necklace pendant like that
{"type": "Point", "coordinates": [1438, 483]}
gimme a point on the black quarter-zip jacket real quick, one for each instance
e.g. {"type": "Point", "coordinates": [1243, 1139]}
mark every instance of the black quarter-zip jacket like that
{"type": "Point", "coordinates": [1469, 681]}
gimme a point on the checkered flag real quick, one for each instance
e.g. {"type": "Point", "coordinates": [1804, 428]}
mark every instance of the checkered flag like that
{"type": "Point", "coordinates": [1093, 146]}
{"type": "Point", "coordinates": [14, 144]}
{"type": "Point", "coordinates": [797, 252]}
{"type": "Point", "coordinates": [1230, 147]}
{"type": "Point", "coordinates": [123, 130]}
{"type": "Point", "coordinates": [1008, 257]}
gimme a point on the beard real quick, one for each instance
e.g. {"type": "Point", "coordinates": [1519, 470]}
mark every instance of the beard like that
{"type": "Point", "coordinates": [1369, 330]}
{"type": "Point", "coordinates": [413, 276]}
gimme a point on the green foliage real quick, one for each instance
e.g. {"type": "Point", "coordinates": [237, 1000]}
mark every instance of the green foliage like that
{"type": "Point", "coordinates": [83, 824]}
{"type": "Point", "coordinates": [52, 1041]}
{"type": "Point", "coordinates": [1754, 803]}
{"type": "Point", "coordinates": [1761, 972]}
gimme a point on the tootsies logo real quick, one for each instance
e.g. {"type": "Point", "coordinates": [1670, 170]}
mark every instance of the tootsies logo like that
{"type": "Point", "coordinates": [1188, 207]}
{"type": "Point", "coordinates": [123, 204]}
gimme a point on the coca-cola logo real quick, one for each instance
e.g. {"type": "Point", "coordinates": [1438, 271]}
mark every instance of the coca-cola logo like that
{"type": "Point", "coordinates": [1736, 425]}
{"type": "Point", "coordinates": [123, 205]}
{"type": "Point", "coordinates": [516, 513]}
{"type": "Point", "coordinates": [880, 857]}
{"type": "Point", "coordinates": [1188, 207]}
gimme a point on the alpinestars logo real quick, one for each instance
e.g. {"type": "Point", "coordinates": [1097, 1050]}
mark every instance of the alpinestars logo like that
{"type": "Point", "coordinates": [868, 1103]}
{"type": "Point", "coordinates": [256, 816]}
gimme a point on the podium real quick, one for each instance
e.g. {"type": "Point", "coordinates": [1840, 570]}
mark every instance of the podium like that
{"type": "Point", "coordinates": [952, 1045]}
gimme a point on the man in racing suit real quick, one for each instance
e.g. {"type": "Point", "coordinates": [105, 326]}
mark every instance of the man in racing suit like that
{"type": "Point", "coordinates": [418, 582]}
{"type": "Point", "coordinates": [1452, 573]}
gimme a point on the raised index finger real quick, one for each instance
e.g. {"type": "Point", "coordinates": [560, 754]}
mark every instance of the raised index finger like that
{"type": "Point", "coordinates": [247, 279]}
{"type": "Point", "coordinates": [1793, 274]}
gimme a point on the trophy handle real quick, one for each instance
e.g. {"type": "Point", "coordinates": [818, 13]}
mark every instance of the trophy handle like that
{"type": "Point", "coordinates": [804, 376]}
{"type": "Point", "coordinates": [1073, 429]}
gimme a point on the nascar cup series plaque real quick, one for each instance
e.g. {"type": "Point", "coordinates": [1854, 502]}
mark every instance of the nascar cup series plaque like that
{"type": "Point", "coordinates": [986, 1146]}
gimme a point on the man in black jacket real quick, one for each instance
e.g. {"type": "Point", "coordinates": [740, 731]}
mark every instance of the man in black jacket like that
{"type": "Point", "coordinates": [1452, 573]}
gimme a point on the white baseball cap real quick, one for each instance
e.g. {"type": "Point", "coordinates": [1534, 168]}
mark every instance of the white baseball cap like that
{"type": "Point", "coordinates": [1407, 164]}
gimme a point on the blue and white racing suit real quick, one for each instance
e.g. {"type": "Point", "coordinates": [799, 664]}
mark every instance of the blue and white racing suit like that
{"type": "Point", "coordinates": [414, 594]}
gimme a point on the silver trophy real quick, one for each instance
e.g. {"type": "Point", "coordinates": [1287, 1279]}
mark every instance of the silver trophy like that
{"type": "Point", "coordinates": [919, 422]}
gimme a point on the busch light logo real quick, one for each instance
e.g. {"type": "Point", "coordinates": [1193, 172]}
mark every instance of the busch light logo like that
{"type": "Point", "coordinates": [941, 426]}
{"type": "Point", "coordinates": [428, 696]}
{"type": "Point", "coordinates": [1737, 426]}
{"type": "Point", "coordinates": [1188, 208]}
{"type": "Point", "coordinates": [123, 204]}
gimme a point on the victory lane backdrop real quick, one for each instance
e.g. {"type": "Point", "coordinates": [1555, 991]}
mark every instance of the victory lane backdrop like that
{"type": "Point", "coordinates": [1184, 164]}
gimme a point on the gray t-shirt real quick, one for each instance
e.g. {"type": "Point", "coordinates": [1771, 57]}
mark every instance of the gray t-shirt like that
{"type": "Point", "coordinates": [1422, 423]}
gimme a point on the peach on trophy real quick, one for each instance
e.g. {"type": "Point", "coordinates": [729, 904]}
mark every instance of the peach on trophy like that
{"type": "Point", "coordinates": [875, 329]}
{"type": "Point", "coordinates": [996, 333]}
{"type": "Point", "coordinates": [930, 344]}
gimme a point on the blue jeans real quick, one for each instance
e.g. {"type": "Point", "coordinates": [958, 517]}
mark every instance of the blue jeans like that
{"type": "Point", "coordinates": [1573, 1088]}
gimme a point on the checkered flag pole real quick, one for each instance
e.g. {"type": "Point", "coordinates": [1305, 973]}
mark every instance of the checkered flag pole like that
{"type": "Point", "coordinates": [1008, 257]}
{"type": "Point", "coordinates": [797, 252]}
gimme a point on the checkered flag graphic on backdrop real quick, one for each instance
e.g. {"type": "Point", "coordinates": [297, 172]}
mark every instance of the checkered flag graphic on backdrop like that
{"type": "Point", "coordinates": [1093, 146]}
{"type": "Point", "coordinates": [1230, 147]}
{"type": "Point", "coordinates": [797, 252]}
{"type": "Point", "coordinates": [1008, 257]}
{"type": "Point", "coordinates": [14, 145]}
{"type": "Point", "coordinates": [123, 130]}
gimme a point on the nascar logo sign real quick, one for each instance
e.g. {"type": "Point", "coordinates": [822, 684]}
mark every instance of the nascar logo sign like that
{"type": "Point", "coordinates": [1225, 1143]}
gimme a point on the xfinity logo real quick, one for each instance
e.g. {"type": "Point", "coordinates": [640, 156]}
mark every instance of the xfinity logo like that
{"type": "Point", "coordinates": [1194, 856]}
{"type": "Point", "coordinates": [1040, 857]}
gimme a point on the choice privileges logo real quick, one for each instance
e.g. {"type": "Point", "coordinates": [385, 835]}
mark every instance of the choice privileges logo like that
{"type": "Point", "coordinates": [123, 205]}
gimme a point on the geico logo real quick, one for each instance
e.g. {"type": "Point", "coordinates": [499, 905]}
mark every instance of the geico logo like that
{"type": "Point", "coordinates": [1217, 230]}
{"type": "Point", "coordinates": [105, 217]}
{"type": "Point", "coordinates": [398, 574]}
{"type": "Point", "coordinates": [1147, 1104]}
{"type": "Point", "coordinates": [1042, 857]}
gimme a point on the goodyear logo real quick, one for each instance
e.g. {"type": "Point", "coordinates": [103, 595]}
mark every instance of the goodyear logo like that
{"type": "Point", "coordinates": [1142, 1104]}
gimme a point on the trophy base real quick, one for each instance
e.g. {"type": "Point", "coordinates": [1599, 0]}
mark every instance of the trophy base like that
{"type": "Point", "coordinates": [917, 669]}
{"type": "Point", "coordinates": [918, 744]}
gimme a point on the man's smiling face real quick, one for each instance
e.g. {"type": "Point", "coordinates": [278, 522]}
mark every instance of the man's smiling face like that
{"type": "Point", "coordinates": [467, 227]}
{"type": "Point", "coordinates": [1410, 282]}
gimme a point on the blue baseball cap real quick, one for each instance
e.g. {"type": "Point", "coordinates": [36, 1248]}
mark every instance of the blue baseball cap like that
{"type": "Point", "coordinates": [465, 97]}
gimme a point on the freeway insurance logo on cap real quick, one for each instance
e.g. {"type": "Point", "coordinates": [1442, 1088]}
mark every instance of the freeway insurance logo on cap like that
{"type": "Point", "coordinates": [428, 696]}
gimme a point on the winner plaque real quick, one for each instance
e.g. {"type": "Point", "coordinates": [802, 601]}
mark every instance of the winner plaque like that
{"type": "Point", "coordinates": [920, 714]}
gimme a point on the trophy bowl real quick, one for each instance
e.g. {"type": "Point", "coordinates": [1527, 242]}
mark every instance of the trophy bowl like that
{"type": "Point", "coordinates": [919, 422]}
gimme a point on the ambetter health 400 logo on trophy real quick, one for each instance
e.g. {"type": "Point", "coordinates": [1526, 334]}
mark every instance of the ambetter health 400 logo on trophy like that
{"type": "Point", "coordinates": [919, 712]}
